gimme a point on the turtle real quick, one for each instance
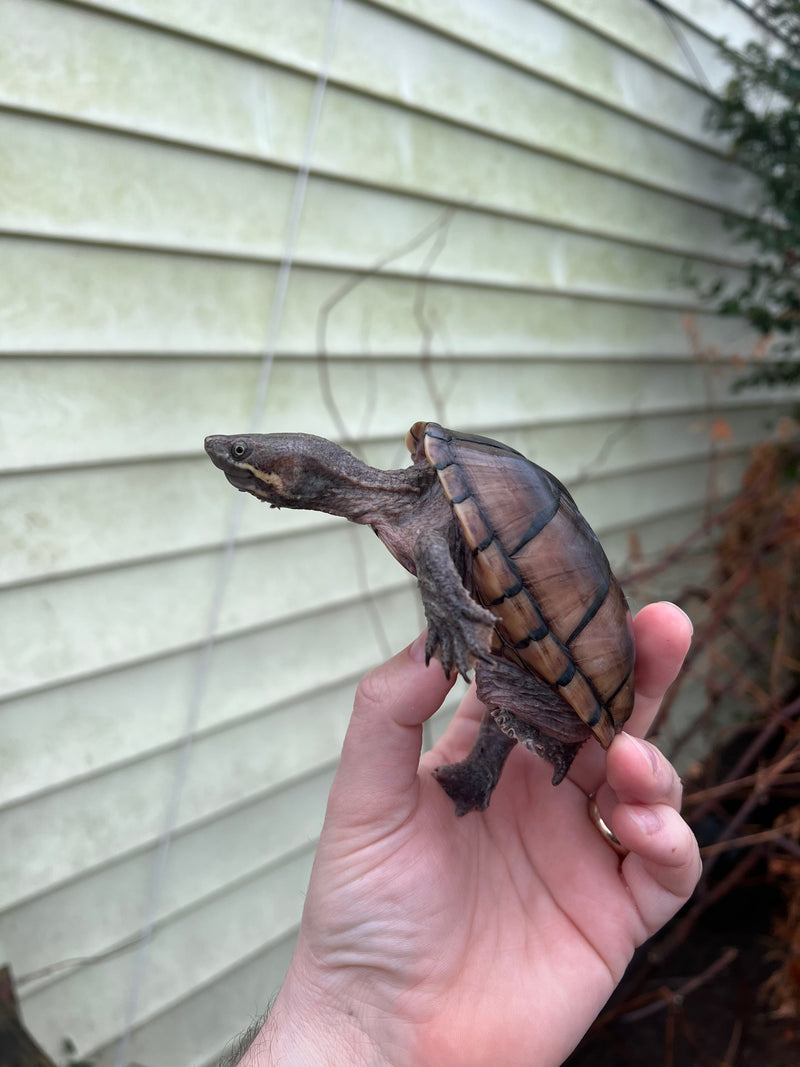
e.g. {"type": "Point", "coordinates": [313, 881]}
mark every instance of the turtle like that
{"type": "Point", "coordinates": [513, 580]}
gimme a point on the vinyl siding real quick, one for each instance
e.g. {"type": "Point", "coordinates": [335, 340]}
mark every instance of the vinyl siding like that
{"type": "Point", "coordinates": [503, 202]}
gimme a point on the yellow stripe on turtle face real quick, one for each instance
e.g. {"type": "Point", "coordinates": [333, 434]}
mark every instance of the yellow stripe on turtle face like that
{"type": "Point", "coordinates": [268, 477]}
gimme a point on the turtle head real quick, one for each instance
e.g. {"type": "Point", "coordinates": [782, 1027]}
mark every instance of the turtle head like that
{"type": "Point", "coordinates": [292, 470]}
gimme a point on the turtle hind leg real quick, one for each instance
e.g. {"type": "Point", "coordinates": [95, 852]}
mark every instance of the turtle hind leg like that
{"type": "Point", "coordinates": [557, 752]}
{"type": "Point", "coordinates": [530, 711]}
{"type": "Point", "coordinates": [470, 783]}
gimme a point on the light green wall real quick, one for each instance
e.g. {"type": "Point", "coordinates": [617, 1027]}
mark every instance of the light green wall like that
{"type": "Point", "coordinates": [502, 201]}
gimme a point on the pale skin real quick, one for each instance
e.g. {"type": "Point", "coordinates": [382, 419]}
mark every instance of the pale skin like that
{"type": "Point", "coordinates": [434, 941]}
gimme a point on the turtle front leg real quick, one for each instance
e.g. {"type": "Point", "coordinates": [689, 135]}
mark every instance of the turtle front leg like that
{"type": "Point", "coordinates": [459, 629]}
{"type": "Point", "coordinates": [470, 783]}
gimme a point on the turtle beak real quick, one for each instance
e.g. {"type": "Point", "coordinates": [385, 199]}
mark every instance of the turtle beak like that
{"type": "Point", "coordinates": [217, 450]}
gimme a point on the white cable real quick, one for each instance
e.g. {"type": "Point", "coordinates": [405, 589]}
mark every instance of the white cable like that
{"type": "Point", "coordinates": [200, 678]}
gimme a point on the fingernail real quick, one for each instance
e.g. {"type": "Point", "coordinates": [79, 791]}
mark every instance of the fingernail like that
{"type": "Point", "coordinates": [648, 820]}
{"type": "Point", "coordinates": [649, 751]}
{"type": "Point", "coordinates": [691, 624]}
{"type": "Point", "coordinates": [417, 647]}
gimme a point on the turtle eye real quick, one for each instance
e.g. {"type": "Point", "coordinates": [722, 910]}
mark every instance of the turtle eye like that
{"type": "Point", "coordinates": [238, 449]}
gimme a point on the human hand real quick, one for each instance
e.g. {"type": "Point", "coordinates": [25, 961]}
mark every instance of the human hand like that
{"type": "Point", "coordinates": [430, 941]}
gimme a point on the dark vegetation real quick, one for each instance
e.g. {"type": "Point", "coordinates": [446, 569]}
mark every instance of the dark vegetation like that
{"type": "Point", "coordinates": [721, 984]}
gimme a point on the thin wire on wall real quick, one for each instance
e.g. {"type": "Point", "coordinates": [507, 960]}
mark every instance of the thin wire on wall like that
{"type": "Point", "coordinates": [200, 678]}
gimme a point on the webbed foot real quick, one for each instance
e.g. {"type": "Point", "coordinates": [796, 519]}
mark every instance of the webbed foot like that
{"type": "Point", "coordinates": [470, 783]}
{"type": "Point", "coordinates": [459, 634]}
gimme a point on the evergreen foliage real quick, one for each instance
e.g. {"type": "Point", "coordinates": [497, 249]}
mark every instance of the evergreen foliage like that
{"type": "Point", "coordinates": [760, 112]}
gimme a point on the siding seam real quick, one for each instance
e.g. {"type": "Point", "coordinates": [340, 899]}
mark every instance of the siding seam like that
{"type": "Point", "coordinates": [432, 279]}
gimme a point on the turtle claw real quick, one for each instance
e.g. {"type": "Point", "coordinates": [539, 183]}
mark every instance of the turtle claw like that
{"type": "Point", "coordinates": [460, 639]}
{"type": "Point", "coordinates": [459, 629]}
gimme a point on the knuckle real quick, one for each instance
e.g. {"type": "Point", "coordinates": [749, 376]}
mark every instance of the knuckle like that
{"type": "Point", "coordinates": [373, 691]}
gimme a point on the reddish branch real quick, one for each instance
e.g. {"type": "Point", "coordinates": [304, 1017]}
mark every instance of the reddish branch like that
{"type": "Point", "coordinates": [746, 647]}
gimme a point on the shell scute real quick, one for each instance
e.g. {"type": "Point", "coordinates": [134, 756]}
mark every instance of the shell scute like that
{"type": "Point", "coordinates": [567, 575]}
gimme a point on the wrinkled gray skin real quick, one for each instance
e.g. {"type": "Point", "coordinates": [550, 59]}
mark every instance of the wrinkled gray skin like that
{"type": "Point", "coordinates": [407, 509]}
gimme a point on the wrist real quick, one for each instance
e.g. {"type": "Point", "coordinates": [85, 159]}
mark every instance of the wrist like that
{"type": "Point", "coordinates": [304, 1029]}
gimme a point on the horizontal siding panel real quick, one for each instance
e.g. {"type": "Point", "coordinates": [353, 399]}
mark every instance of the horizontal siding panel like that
{"type": "Point", "coordinates": [382, 55]}
{"type": "Point", "coordinates": [719, 19]}
{"type": "Point", "coordinates": [89, 823]}
{"type": "Point", "coordinates": [59, 521]}
{"type": "Point", "coordinates": [645, 542]}
{"type": "Point", "coordinates": [65, 298]}
{"type": "Point", "coordinates": [438, 76]}
{"type": "Point", "coordinates": [70, 731]}
{"type": "Point", "coordinates": [152, 195]}
{"type": "Point", "coordinates": [688, 48]}
{"type": "Point", "coordinates": [196, 1030]}
{"type": "Point", "coordinates": [191, 950]}
{"type": "Point", "coordinates": [127, 408]}
{"type": "Point", "coordinates": [159, 84]}
{"type": "Point", "coordinates": [119, 616]}
{"type": "Point", "coordinates": [548, 43]}
{"type": "Point", "coordinates": [292, 34]}
{"type": "Point", "coordinates": [530, 36]}
{"type": "Point", "coordinates": [54, 522]}
{"type": "Point", "coordinates": [80, 829]}
{"type": "Point", "coordinates": [582, 451]}
{"type": "Point", "coordinates": [146, 179]}
{"type": "Point", "coordinates": [645, 493]}
{"type": "Point", "coordinates": [70, 180]}
{"type": "Point", "coordinates": [107, 906]}
{"type": "Point", "coordinates": [147, 81]}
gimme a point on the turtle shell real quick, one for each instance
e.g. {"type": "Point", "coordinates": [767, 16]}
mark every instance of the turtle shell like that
{"type": "Point", "coordinates": [539, 568]}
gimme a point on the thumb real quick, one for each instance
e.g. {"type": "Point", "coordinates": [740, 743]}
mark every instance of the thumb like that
{"type": "Point", "coordinates": [377, 774]}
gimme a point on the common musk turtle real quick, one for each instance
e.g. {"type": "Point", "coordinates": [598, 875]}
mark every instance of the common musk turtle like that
{"type": "Point", "coordinates": [513, 581]}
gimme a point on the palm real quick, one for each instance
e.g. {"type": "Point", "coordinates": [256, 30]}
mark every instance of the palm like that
{"type": "Point", "coordinates": [476, 916]}
{"type": "Point", "coordinates": [497, 937]}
